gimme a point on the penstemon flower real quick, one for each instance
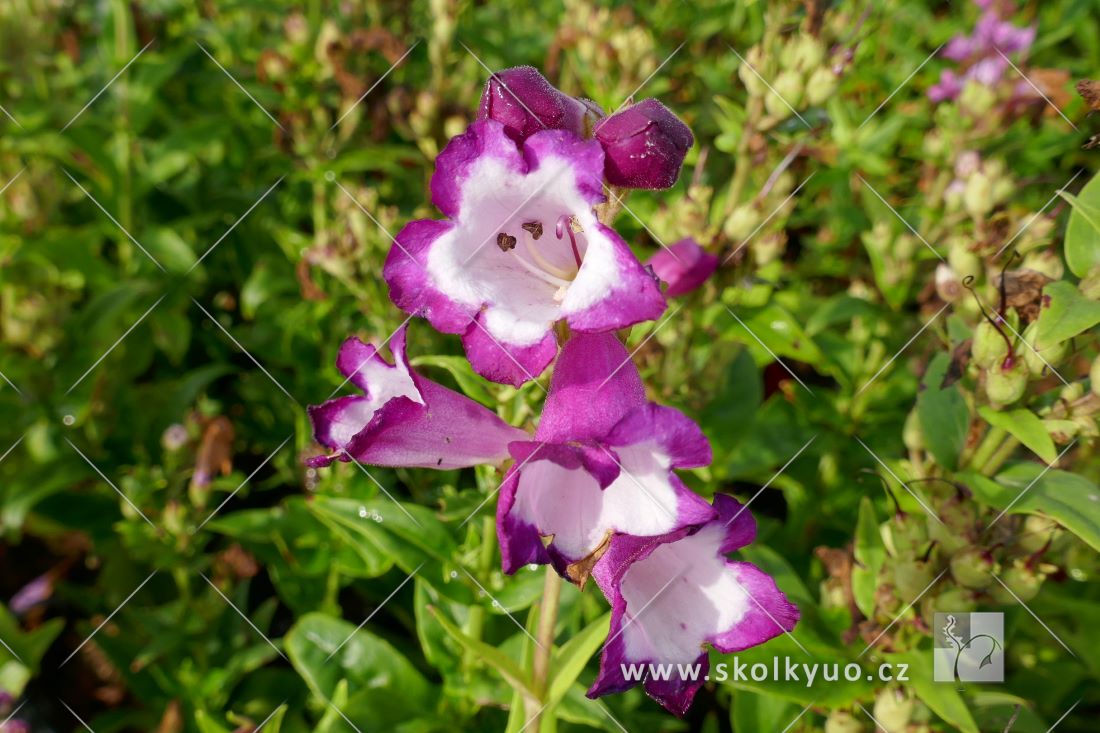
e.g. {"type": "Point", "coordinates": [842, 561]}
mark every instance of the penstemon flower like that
{"type": "Point", "coordinates": [520, 250]}
{"type": "Point", "coordinates": [673, 595]}
{"type": "Point", "coordinates": [602, 462]}
{"type": "Point", "coordinates": [684, 266]}
{"type": "Point", "coordinates": [403, 419]}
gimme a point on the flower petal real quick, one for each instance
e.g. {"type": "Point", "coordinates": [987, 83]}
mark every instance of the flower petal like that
{"type": "Point", "coordinates": [466, 158]}
{"type": "Point", "coordinates": [411, 289]}
{"type": "Point", "coordinates": [612, 289]}
{"type": "Point", "coordinates": [595, 385]}
{"type": "Point", "coordinates": [404, 419]}
{"type": "Point", "coordinates": [672, 595]}
{"type": "Point", "coordinates": [504, 362]}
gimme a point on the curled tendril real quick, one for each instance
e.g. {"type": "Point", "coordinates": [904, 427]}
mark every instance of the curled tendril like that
{"type": "Point", "coordinates": [1012, 256]}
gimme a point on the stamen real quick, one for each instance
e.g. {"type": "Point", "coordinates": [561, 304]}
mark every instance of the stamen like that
{"type": "Point", "coordinates": [534, 228]}
{"type": "Point", "coordinates": [506, 242]}
{"type": "Point", "coordinates": [545, 264]}
{"type": "Point", "coordinates": [543, 275]}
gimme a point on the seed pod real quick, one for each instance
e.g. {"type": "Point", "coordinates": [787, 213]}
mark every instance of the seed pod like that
{"type": "Point", "coordinates": [1037, 357]}
{"type": "Point", "coordinates": [840, 721]}
{"type": "Point", "coordinates": [988, 347]}
{"type": "Point", "coordinates": [1021, 580]}
{"type": "Point", "coordinates": [911, 577]}
{"type": "Point", "coordinates": [1005, 386]}
{"type": "Point", "coordinates": [972, 568]}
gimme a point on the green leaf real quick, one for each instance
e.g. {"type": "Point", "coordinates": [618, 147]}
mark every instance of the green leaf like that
{"type": "Point", "coordinates": [944, 416]}
{"type": "Point", "coordinates": [408, 533]}
{"type": "Point", "coordinates": [1024, 426]}
{"type": "Point", "coordinates": [1082, 246]}
{"type": "Point", "coordinates": [778, 330]}
{"type": "Point", "coordinates": [469, 382]}
{"type": "Point", "coordinates": [569, 661]}
{"type": "Point", "coordinates": [1072, 500]}
{"type": "Point", "coordinates": [492, 656]}
{"type": "Point", "coordinates": [943, 699]}
{"type": "Point", "coordinates": [1068, 314]}
{"type": "Point", "coordinates": [870, 554]}
{"type": "Point", "coordinates": [753, 711]}
{"type": "Point", "coordinates": [384, 688]}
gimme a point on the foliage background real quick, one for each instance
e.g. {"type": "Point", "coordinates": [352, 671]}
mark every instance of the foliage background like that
{"type": "Point", "coordinates": [209, 362]}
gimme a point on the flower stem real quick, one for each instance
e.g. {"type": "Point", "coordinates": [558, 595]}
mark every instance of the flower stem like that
{"type": "Point", "coordinates": [1002, 454]}
{"type": "Point", "coordinates": [986, 448]}
{"type": "Point", "coordinates": [548, 618]}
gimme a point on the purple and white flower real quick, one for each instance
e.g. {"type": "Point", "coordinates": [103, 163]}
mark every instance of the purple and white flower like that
{"type": "Point", "coordinates": [981, 54]}
{"type": "Point", "coordinates": [672, 596]}
{"type": "Point", "coordinates": [602, 462]}
{"type": "Point", "coordinates": [644, 144]}
{"type": "Point", "coordinates": [403, 419]}
{"type": "Point", "coordinates": [684, 266]}
{"type": "Point", "coordinates": [520, 250]}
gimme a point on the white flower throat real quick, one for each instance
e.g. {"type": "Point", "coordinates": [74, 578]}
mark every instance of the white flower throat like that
{"type": "Point", "coordinates": [524, 245]}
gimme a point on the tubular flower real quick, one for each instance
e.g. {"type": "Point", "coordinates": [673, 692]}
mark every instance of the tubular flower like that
{"type": "Point", "coordinates": [403, 419]}
{"type": "Point", "coordinates": [520, 250]}
{"type": "Point", "coordinates": [673, 595]}
{"type": "Point", "coordinates": [645, 145]}
{"type": "Point", "coordinates": [601, 462]}
{"type": "Point", "coordinates": [524, 102]}
{"type": "Point", "coordinates": [684, 266]}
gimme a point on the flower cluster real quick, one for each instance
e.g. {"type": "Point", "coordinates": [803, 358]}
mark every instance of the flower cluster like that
{"type": "Point", "coordinates": [982, 55]}
{"type": "Point", "coordinates": [521, 260]}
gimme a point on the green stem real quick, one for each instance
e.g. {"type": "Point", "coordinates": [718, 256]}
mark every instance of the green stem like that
{"type": "Point", "coordinates": [987, 447]}
{"type": "Point", "coordinates": [476, 620]}
{"type": "Point", "coordinates": [548, 618]}
{"type": "Point", "coordinates": [1002, 454]}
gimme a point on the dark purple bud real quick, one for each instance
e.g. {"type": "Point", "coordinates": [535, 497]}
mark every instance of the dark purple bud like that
{"type": "Point", "coordinates": [644, 145]}
{"type": "Point", "coordinates": [524, 102]}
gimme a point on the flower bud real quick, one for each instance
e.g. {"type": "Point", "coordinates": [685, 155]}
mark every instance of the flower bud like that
{"type": "Point", "coordinates": [911, 433]}
{"type": "Point", "coordinates": [821, 86]}
{"type": "Point", "coordinates": [962, 259]}
{"type": "Point", "coordinates": [972, 568]}
{"type": "Point", "coordinates": [644, 145]}
{"type": "Point", "coordinates": [840, 721]}
{"type": "Point", "coordinates": [958, 600]}
{"type": "Point", "coordinates": [684, 266]}
{"type": "Point", "coordinates": [754, 59]}
{"type": "Point", "coordinates": [1005, 386]}
{"type": "Point", "coordinates": [1021, 580]}
{"type": "Point", "coordinates": [977, 99]}
{"type": "Point", "coordinates": [804, 53]}
{"type": "Point", "coordinates": [741, 222]}
{"type": "Point", "coordinates": [1037, 357]}
{"type": "Point", "coordinates": [978, 195]}
{"type": "Point", "coordinates": [524, 102]}
{"type": "Point", "coordinates": [1037, 532]}
{"type": "Point", "coordinates": [893, 709]}
{"type": "Point", "coordinates": [948, 286]}
{"type": "Point", "coordinates": [786, 90]}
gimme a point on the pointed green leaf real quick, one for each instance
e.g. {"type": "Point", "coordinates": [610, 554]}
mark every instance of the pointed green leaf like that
{"type": "Point", "coordinates": [1024, 426]}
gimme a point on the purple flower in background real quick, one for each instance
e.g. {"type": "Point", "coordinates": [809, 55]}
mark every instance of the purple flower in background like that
{"type": "Point", "coordinates": [520, 250]}
{"type": "Point", "coordinates": [980, 53]}
{"type": "Point", "coordinates": [673, 595]}
{"type": "Point", "coordinates": [684, 266]}
{"type": "Point", "coordinates": [32, 594]}
{"type": "Point", "coordinates": [644, 145]}
{"type": "Point", "coordinates": [524, 102]}
{"type": "Point", "coordinates": [601, 462]}
{"type": "Point", "coordinates": [403, 419]}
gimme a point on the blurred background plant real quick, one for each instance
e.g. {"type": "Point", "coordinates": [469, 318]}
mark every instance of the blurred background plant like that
{"type": "Point", "coordinates": [197, 199]}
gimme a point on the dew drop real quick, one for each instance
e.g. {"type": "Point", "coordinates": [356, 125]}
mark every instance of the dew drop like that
{"type": "Point", "coordinates": [362, 512]}
{"type": "Point", "coordinates": [68, 419]}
